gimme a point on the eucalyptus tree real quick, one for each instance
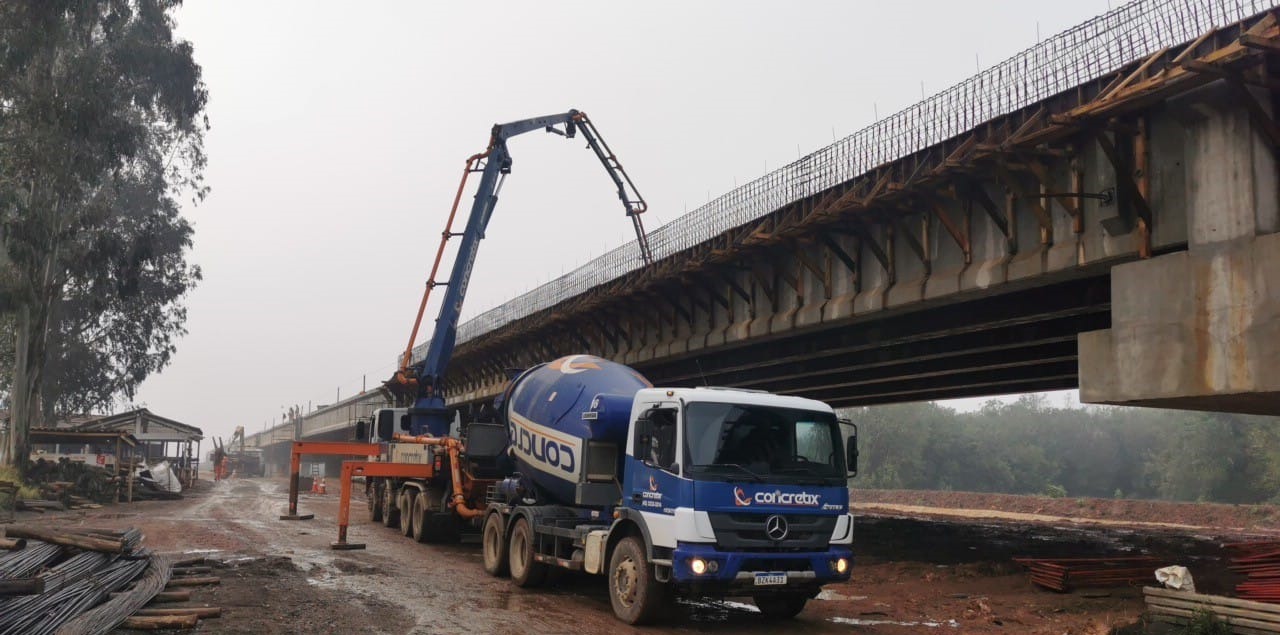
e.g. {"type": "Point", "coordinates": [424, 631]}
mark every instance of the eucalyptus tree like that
{"type": "Point", "coordinates": [101, 134]}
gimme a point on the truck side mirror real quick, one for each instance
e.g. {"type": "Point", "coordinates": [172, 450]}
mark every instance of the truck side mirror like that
{"type": "Point", "coordinates": [386, 427]}
{"type": "Point", "coordinates": [644, 434]}
{"type": "Point", "coordinates": [851, 452]}
{"type": "Point", "coordinates": [362, 430]}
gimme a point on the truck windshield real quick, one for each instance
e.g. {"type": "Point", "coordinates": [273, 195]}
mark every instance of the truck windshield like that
{"type": "Point", "coordinates": [755, 443]}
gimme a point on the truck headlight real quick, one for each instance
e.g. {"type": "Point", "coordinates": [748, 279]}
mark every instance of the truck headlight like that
{"type": "Point", "coordinates": [698, 566]}
{"type": "Point", "coordinates": [841, 565]}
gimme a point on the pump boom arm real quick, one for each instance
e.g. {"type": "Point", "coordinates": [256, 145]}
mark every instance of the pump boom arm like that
{"type": "Point", "coordinates": [426, 378]}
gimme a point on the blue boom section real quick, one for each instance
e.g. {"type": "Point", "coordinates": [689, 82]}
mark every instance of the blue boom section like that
{"type": "Point", "coordinates": [429, 414]}
{"type": "Point", "coordinates": [553, 410]}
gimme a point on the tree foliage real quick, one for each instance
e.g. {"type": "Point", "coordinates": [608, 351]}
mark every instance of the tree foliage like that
{"type": "Point", "coordinates": [1029, 447]}
{"type": "Point", "coordinates": [101, 130]}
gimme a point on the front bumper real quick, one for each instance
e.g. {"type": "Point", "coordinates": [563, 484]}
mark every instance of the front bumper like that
{"type": "Point", "coordinates": [736, 570]}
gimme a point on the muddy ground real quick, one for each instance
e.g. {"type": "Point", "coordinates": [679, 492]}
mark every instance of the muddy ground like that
{"type": "Point", "coordinates": [916, 573]}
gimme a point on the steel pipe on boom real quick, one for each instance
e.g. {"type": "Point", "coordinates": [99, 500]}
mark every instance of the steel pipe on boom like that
{"type": "Point", "coordinates": [424, 381]}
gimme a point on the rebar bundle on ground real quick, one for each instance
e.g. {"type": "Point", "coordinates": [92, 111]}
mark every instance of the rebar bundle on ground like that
{"type": "Point", "coordinates": [67, 588]}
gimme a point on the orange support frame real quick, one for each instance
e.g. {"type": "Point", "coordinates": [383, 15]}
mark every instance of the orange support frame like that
{"type": "Point", "coordinates": [369, 469]}
{"type": "Point", "coordinates": [326, 448]}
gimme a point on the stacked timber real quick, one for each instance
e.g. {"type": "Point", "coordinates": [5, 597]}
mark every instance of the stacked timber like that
{"type": "Point", "coordinates": [1065, 574]}
{"type": "Point", "coordinates": [1245, 617]}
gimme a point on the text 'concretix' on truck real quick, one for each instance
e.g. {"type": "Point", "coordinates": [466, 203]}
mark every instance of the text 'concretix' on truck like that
{"type": "Point", "coordinates": [667, 492]}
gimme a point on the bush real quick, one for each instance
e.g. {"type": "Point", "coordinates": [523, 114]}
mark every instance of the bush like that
{"type": "Point", "coordinates": [10, 474]}
{"type": "Point", "coordinates": [1206, 623]}
{"type": "Point", "coordinates": [1055, 491]}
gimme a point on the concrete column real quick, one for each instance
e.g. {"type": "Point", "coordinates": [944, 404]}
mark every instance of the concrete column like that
{"type": "Point", "coordinates": [1200, 329]}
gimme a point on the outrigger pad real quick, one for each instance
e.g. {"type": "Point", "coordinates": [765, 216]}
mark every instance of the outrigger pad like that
{"type": "Point", "coordinates": [346, 546]}
{"type": "Point", "coordinates": [297, 516]}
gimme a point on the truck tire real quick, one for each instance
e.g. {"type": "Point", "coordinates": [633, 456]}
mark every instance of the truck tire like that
{"type": "Point", "coordinates": [782, 607]}
{"type": "Point", "coordinates": [390, 513]}
{"type": "Point", "coordinates": [432, 520]}
{"type": "Point", "coordinates": [373, 496]}
{"type": "Point", "coordinates": [405, 502]}
{"type": "Point", "coordinates": [525, 571]}
{"type": "Point", "coordinates": [636, 595]}
{"type": "Point", "coordinates": [494, 546]}
{"type": "Point", "coordinates": [421, 518]}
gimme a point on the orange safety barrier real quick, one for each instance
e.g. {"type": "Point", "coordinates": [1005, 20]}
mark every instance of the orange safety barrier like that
{"type": "Point", "coordinates": [325, 448]}
{"type": "Point", "coordinates": [369, 469]}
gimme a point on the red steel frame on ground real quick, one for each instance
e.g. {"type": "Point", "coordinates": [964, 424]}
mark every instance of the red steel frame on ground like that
{"type": "Point", "coordinates": [327, 448]}
{"type": "Point", "coordinates": [368, 469]}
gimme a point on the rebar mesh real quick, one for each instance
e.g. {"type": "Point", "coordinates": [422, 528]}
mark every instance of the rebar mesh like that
{"type": "Point", "coordinates": [1074, 57]}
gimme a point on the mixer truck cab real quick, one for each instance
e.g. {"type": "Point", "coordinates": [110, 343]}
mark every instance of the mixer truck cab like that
{"type": "Point", "coordinates": [670, 492]}
{"type": "Point", "coordinates": [742, 492]}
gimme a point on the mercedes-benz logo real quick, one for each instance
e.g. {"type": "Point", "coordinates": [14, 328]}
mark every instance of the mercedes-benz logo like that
{"type": "Point", "coordinates": [775, 527]}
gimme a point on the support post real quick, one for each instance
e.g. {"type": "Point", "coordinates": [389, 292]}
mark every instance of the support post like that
{"type": "Point", "coordinates": [323, 448]}
{"type": "Point", "coordinates": [369, 469]}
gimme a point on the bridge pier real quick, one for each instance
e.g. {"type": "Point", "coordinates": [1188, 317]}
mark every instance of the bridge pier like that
{"type": "Point", "coordinates": [1200, 329]}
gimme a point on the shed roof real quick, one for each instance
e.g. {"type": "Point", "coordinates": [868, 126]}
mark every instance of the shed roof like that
{"type": "Point", "coordinates": [145, 425]}
{"type": "Point", "coordinates": [58, 435]}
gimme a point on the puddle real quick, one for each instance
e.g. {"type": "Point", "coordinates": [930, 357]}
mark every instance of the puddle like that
{"type": "Point", "coordinates": [836, 597]}
{"type": "Point", "coordinates": [853, 621]}
{"type": "Point", "coordinates": [199, 551]}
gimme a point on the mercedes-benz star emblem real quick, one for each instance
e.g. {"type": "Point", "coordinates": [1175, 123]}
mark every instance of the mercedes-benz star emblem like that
{"type": "Point", "coordinates": [775, 527]}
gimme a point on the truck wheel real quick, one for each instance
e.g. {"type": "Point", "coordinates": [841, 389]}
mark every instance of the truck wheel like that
{"type": "Point", "coordinates": [390, 513]}
{"type": "Point", "coordinates": [373, 496]}
{"type": "Point", "coordinates": [780, 606]}
{"type": "Point", "coordinates": [525, 571]}
{"type": "Point", "coordinates": [421, 518]}
{"type": "Point", "coordinates": [635, 593]}
{"type": "Point", "coordinates": [494, 546]}
{"type": "Point", "coordinates": [405, 503]}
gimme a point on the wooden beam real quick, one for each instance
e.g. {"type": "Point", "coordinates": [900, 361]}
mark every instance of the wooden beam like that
{"type": "Point", "coordinates": [1266, 125]}
{"type": "Point", "coordinates": [1124, 176]}
{"type": "Point", "coordinates": [877, 188]}
{"type": "Point", "coordinates": [737, 288]}
{"type": "Point", "coordinates": [978, 194]}
{"type": "Point", "coordinates": [1027, 126]}
{"type": "Point", "coordinates": [1139, 72]}
{"type": "Point", "coordinates": [913, 242]}
{"type": "Point", "coordinates": [792, 281]}
{"type": "Point", "coordinates": [1041, 173]}
{"type": "Point", "coordinates": [959, 234]}
{"type": "Point", "coordinates": [576, 334]}
{"type": "Point", "coordinates": [840, 254]}
{"type": "Point", "coordinates": [1033, 202]}
{"type": "Point", "coordinates": [958, 156]}
{"type": "Point", "coordinates": [765, 284]}
{"type": "Point", "coordinates": [1266, 44]}
{"type": "Point", "coordinates": [805, 260]}
{"type": "Point", "coordinates": [871, 244]}
{"type": "Point", "coordinates": [713, 293]}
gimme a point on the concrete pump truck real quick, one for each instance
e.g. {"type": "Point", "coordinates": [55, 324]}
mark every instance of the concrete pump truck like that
{"type": "Point", "coordinates": [666, 492]}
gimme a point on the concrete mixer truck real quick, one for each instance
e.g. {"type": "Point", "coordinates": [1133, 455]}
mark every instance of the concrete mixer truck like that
{"type": "Point", "coordinates": [667, 492]}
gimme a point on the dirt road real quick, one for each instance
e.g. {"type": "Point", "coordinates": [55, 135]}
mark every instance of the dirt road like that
{"type": "Point", "coordinates": [282, 577]}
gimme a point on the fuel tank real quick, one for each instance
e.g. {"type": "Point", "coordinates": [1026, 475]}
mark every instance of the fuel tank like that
{"type": "Point", "coordinates": [567, 423]}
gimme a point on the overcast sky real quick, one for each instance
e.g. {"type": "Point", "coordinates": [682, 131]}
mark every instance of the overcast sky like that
{"type": "Point", "coordinates": [339, 131]}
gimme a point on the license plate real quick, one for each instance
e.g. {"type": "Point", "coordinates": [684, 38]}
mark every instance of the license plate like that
{"type": "Point", "coordinates": [771, 578]}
